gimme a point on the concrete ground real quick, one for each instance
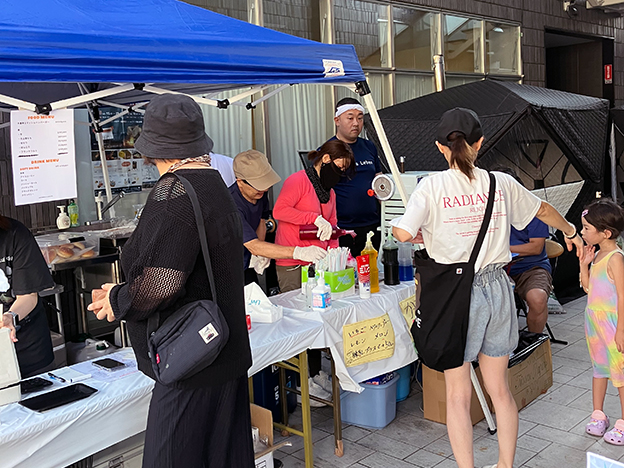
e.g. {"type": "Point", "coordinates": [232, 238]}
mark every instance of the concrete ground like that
{"type": "Point", "coordinates": [552, 428]}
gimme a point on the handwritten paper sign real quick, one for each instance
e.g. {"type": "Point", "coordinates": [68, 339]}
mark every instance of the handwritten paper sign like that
{"type": "Point", "coordinates": [43, 155]}
{"type": "Point", "coordinates": [367, 341]}
{"type": "Point", "coordinates": [408, 309]}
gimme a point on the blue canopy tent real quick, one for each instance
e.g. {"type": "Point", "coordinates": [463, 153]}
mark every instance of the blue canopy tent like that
{"type": "Point", "coordinates": [57, 54]}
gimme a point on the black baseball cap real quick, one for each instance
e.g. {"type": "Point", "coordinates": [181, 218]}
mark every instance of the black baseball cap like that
{"type": "Point", "coordinates": [460, 120]}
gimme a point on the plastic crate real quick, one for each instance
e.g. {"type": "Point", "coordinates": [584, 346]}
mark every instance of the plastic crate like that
{"type": "Point", "coordinates": [374, 408]}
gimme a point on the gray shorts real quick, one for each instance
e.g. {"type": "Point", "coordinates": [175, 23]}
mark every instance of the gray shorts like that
{"type": "Point", "coordinates": [493, 323]}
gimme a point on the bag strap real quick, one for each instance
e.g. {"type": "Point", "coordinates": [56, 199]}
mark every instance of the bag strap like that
{"type": "Point", "coordinates": [201, 228]}
{"type": "Point", "coordinates": [486, 221]}
{"type": "Point", "coordinates": [153, 321]}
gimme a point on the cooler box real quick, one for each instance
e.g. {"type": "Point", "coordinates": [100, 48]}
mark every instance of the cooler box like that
{"type": "Point", "coordinates": [374, 408]}
{"type": "Point", "coordinates": [403, 386]}
{"type": "Point", "coordinates": [266, 391]}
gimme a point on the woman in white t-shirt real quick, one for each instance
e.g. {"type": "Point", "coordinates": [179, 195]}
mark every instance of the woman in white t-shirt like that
{"type": "Point", "coordinates": [448, 208]}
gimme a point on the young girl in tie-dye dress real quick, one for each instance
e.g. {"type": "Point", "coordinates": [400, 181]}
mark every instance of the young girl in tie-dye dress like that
{"type": "Point", "coordinates": [603, 221]}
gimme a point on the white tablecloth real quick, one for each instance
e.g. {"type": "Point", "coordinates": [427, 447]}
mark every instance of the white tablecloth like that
{"type": "Point", "coordinates": [64, 435]}
{"type": "Point", "coordinates": [353, 309]}
{"type": "Point", "coordinates": [118, 410]}
{"type": "Point", "coordinates": [274, 342]}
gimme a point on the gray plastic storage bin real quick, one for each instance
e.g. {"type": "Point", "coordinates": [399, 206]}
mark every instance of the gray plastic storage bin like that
{"type": "Point", "coordinates": [374, 408]}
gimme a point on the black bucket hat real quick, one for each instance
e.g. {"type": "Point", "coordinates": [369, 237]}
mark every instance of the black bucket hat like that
{"type": "Point", "coordinates": [460, 120]}
{"type": "Point", "coordinates": [173, 128]}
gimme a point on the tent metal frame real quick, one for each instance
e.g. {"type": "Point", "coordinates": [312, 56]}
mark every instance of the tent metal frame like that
{"type": "Point", "coordinates": [93, 99]}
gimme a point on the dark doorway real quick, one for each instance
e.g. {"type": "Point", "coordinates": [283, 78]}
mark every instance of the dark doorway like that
{"type": "Point", "coordinates": [579, 64]}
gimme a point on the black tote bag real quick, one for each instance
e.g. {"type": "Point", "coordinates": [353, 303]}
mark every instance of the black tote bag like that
{"type": "Point", "coordinates": [443, 299]}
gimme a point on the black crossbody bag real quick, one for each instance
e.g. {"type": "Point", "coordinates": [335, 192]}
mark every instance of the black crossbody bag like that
{"type": "Point", "coordinates": [443, 292]}
{"type": "Point", "coordinates": [191, 338]}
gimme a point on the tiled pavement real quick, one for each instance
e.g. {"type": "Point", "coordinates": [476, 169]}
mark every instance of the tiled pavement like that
{"type": "Point", "coordinates": [551, 428]}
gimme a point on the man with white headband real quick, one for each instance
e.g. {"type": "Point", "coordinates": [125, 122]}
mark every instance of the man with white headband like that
{"type": "Point", "coordinates": [356, 209]}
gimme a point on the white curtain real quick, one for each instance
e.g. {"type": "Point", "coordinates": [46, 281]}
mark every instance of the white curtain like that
{"type": "Point", "coordinates": [298, 120]}
{"type": "Point", "coordinates": [231, 128]}
{"type": "Point", "coordinates": [412, 86]}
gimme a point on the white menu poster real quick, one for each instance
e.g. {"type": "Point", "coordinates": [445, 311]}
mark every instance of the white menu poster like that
{"type": "Point", "coordinates": [43, 155]}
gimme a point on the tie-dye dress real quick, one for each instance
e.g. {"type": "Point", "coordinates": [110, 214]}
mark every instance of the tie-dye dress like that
{"type": "Point", "coordinates": [600, 323]}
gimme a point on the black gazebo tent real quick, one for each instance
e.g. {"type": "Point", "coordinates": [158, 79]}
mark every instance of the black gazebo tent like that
{"type": "Point", "coordinates": [548, 137]}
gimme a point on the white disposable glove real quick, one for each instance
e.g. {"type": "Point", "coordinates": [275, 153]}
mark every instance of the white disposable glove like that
{"type": "Point", "coordinates": [311, 253]}
{"type": "Point", "coordinates": [324, 228]}
{"type": "Point", "coordinates": [259, 263]}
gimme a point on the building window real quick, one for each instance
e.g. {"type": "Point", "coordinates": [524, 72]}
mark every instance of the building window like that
{"type": "Point", "coordinates": [296, 17]}
{"type": "Point", "coordinates": [413, 31]}
{"type": "Point", "coordinates": [502, 48]}
{"type": "Point", "coordinates": [365, 25]}
{"type": "Point", "coordinates": [462, 45]}
{"type": "Point", "coordinates": [233, 8]}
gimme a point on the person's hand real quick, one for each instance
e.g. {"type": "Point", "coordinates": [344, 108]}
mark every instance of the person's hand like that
{"type": "Point", "coordinates": [577, 242]}
{"type": "Point", "coordinates": [259, 264]}
{"type": "Point", "coordinates": [619, 339]}
{"type": "Point", "coordinates": [311, 253]}
{"type": "Point", "coordinates": [418, 239]}
{"type": "Point", "coordinates": [324, 228]}
{"type": "Point", "coordinates": [7, 322]}
{"type": "Point", "coordinates": [102, 308]}
{"type": "Point", "coordinates": [586, 255]}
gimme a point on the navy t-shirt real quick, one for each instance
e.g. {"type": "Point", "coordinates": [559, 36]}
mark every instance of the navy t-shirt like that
{"type": "Point", "coordinates": [251, 214]}
{"type": "Point", "coordinates": [536, 228]}
{"type": "Point", "coordinates": [354, 206]}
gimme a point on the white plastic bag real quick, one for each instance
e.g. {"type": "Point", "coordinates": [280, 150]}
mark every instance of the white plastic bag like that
{"type": "Point", "coordinates": [259, 307]}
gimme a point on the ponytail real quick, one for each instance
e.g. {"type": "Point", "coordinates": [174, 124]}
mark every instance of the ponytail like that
{"type": "Point", "coordinates": [463, 155]}
{"type": "Point", "coordinates": [5, 224]}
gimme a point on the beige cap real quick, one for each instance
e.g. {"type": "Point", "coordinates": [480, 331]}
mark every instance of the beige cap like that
{"type": "Point", "coordinates": [254, 167]}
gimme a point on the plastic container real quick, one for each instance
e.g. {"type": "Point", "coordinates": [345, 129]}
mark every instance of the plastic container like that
{"type": "Point", "coordinates": [363, 275]}
{"type": "Point", "coordinates": [72, 211]}
{"type": "Point", "coordinates": [68, 246]}
{"type": "Point", "coordinates": [406, 268]}
{"type": "Point", "coordinates": [374, 408]}
{"type": "Point", "coordinates": [321, 295]}
{"type": "Point", "coordinates": [372, 261]}
{"type": "Point", "coordinates": [403, 386]}
{"type": "Point", "coordinates": [391, 261]}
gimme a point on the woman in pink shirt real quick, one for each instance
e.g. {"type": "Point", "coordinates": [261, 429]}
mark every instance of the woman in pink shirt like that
{"type": "Point", "coordinates": [307, 198]}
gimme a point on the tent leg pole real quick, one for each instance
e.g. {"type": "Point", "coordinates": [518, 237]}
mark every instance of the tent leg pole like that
{"type": "Point", "coordinates": [614, 191]}
{"type": "Point", "coordinates": [385, 145]}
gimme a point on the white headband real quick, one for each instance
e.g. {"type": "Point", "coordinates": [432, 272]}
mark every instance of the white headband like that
{"type": "Point", "coordinates": [347, 107]}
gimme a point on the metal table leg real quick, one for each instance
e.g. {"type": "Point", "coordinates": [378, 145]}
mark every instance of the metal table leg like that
{"type": "Point", "coordinates": [339, 447]}
{"type": "Point", "coordinates": [300, 365]}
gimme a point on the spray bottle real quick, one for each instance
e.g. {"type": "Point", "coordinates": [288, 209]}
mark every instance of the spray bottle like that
{"type": "Point", "coordinates": [372, 258]}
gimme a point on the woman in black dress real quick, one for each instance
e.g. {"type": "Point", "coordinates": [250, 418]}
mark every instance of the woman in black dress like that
{"type": "Point", "coordinates": [202, 421]}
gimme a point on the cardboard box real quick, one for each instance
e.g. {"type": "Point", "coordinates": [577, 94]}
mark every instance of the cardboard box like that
{"type": "Point", "coordinates": [533, 376]}
{"type": "Point", "coordinates": [263, 419]}
{"type": "Point", "coordinates": [527, 380]}
{"type": "Point", "coordinates": [434, 397]}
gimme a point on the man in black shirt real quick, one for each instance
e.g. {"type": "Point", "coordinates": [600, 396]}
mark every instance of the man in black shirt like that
{"type": "Point", "coordinates": [23, 265]}
{"type": "Point", "coordinates": [254, 177]}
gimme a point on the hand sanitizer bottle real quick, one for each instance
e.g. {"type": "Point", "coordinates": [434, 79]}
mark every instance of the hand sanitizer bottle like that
{"type": "Point", "coordinates": [63, 221]}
